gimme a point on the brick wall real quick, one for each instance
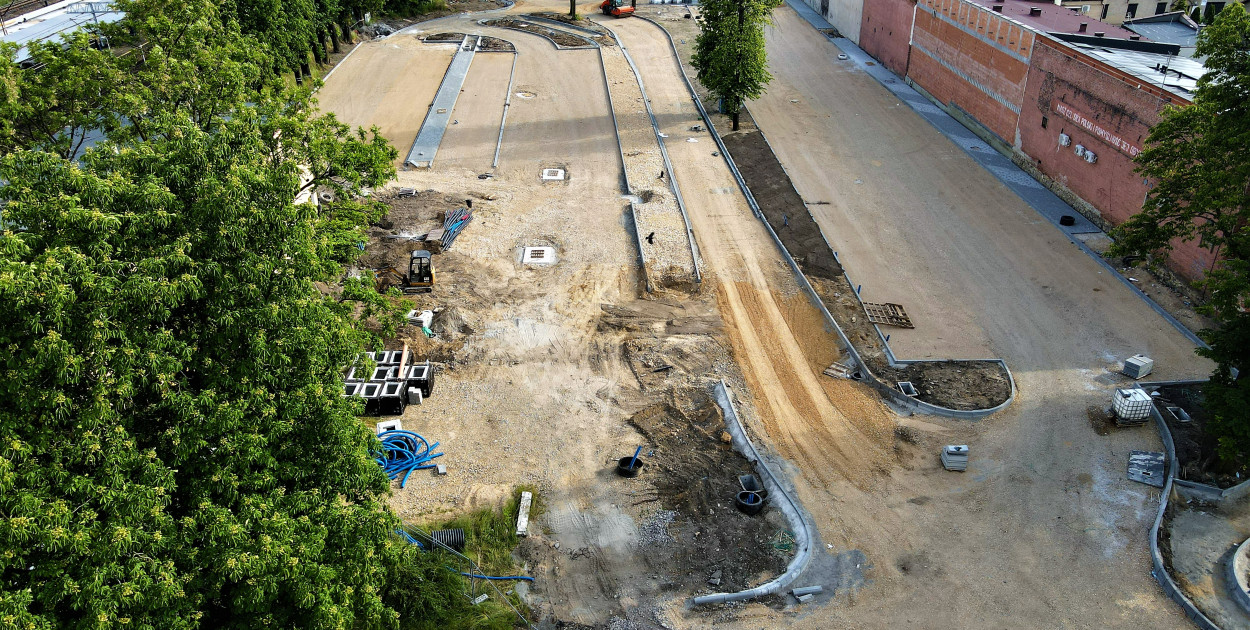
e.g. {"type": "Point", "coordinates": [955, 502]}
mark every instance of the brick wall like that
{"type": "Point", "coordinates": [1105, 111]}
{"type": "Point", "coordinates": [973, 58]}
{"type": "Point", "coordinates": [885, 32]}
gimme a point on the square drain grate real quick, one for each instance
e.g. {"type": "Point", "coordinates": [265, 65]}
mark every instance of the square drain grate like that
{"type": "Point", "coordinates": [553, 174]}
{"type": "Point", "coordinates": [538, 256]}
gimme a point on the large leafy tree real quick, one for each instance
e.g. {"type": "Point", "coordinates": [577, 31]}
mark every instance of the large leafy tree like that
{"type": "Point", "coordinates": [174, 452]}
{"type": "Point", "coordinates": [1196, 156]}
{"type": "Point", "coordinates": [729, 52]}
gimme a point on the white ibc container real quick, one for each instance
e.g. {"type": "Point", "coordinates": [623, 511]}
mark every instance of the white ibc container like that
{"type": "Point", "coordinates": [1131, 404]}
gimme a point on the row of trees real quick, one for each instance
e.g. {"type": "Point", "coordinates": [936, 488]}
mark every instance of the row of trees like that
{"type": "Point", "coordinates": [174, 451]}
{"type": "Point", "coordinates": [1196, 156]}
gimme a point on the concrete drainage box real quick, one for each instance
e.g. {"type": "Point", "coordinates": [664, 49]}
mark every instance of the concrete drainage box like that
{"type": "Point", "coordinates": [908, 389]}
{"type": "Point", "coordinates": [538, 256]}
{"type": "Point", "coordinates": [553, 175]}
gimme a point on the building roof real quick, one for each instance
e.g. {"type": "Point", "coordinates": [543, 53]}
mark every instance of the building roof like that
{"type": "Point", "coordinates": [1049, 17]}
{"type": "Point", "coordinates": [1172, 28]}
{"type": "Point", "coordinates": [1178, 75]}
{"type": "Point", "coordinates": [50, 25]}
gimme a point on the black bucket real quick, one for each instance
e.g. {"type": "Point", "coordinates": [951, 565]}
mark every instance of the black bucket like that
{"type": "Point", "coordinates": [749, 502]}
{"type": "Point", "coordinates": [623, 468]}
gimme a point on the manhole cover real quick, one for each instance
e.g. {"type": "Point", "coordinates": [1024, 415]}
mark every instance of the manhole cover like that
{"type": "Point", "coordinates": [525, 95]}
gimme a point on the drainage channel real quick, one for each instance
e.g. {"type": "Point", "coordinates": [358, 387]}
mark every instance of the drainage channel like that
{"type": "Point", "coordinates": [430, 136]}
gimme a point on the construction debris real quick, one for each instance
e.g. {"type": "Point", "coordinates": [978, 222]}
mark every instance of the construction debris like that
{"type": "Point", "coordinates": [888, 314]}
{"type": "Point", "coordinates": [1146, 467]}
{"type": "Point", "coordinates": [955, 457]}
{"type": "Point", "coordinates": [838, 370]}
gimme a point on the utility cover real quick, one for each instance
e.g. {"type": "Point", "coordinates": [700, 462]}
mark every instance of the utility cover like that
{"type": "Point", "coordinates": [1146, 467]}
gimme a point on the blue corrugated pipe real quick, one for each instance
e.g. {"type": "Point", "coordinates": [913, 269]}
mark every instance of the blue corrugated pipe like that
{"type": "Point", "coordinates": [404, 452]}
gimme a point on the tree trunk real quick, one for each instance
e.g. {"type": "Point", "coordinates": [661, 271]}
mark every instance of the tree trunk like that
{"type": "Point", "coordinates": [299, 76]}
{"type": "Point", "coordinates": [735, 121]}
{"type": "Point", "coordinates": [334, 38]}
{"type": "Point", "coordinates": [304, 69]}
{"type": "Point", "coordinates": [347, 32]}
{"type": "Point", "coordinates": [321, 45]}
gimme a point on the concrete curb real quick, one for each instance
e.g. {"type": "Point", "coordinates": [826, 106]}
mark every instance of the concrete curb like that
{"type": "Point", "coordinates": [1159, 570]}
{"type": "Point", "coordinates": [1236, 575]}
{"type": "Point", "coordinates": [893, 394]}
{"type": "Point", "coordinates": [551, 22]}
{"type": "Point", "coordinates": [781, 499]}
{"type": "Point", "coordinates": [351, 52]}
{"type": "Point", "coordinates": [668, 165]}
{"type": "Point", "coordinates": [628, 190]}
{"type": "Point", "coordinates": [589, 44]}
{"type": "Point", "coordinates": [844, 42]}
{"type": "Point", "coordinates": [889, 392]}
{"type": "Point", "coordinates": [507, 103]}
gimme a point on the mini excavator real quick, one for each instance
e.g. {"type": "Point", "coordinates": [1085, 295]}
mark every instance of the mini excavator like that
{"type": "Point", "coordinates": [419, 279]}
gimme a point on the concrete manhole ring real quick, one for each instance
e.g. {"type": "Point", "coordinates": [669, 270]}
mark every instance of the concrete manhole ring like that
{"type": "Point", "coordinates": [524, 94]}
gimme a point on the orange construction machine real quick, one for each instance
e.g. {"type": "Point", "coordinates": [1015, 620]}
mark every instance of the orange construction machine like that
{"type": "Point", "coordinates": [617, 8]}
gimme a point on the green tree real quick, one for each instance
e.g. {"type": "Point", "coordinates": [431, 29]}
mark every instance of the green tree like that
{"type": "Point", "coordinates": [1196, 158]}
{"type": "Point", "coordinates": [729, 52]}
{"type": "Point", "coordinates": [175, 451]}
{"type": "Point", "coordinates": [1181, 5]}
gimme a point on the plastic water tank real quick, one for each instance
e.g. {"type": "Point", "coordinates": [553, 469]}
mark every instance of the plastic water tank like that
{"type": "Point", "coordinates": [1131, 404]}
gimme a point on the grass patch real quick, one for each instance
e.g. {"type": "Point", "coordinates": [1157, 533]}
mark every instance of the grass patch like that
{"type": "Point", "coordinates": [490, 538]}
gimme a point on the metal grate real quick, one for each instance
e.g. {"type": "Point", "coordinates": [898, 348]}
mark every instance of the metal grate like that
{"type": "Point", "coordinates": [889, 314]}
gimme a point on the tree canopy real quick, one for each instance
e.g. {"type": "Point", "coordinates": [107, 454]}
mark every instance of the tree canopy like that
{"type": "Point", "coordinates": [729, 54]}
{"type": "Point", "coordinates": [1196, 158]}
{"type": "Point", "coordinates": [176, 452]}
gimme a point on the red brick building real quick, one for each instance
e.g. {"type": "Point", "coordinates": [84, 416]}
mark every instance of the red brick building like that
{"type": "Point", "coordinates": [1075, 113]}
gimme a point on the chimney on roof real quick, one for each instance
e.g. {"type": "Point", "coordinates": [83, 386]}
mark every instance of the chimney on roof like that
{"type": "Point", "coordinates": [1035, 11]}
{"type": "Point", "coordinates": [998, 8]}
{"type": "Point", "coordinates": [1082, 27]}
{"type": "Point", "coordinates": [1099, 34]}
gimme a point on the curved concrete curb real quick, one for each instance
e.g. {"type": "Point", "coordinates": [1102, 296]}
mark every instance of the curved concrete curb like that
{"type": "Point", "coordinates": [1159, 570]}
{"type": "Point", "coordinates": [564, 25]}
{"type": "Point", "coordinates": [887, 391]}
{"type": "Point", "coordinates": [1236, 577]}
{"type": "Point", "coordinates": [589, 44]}
{"type": "Point", "coordinates": [668, 165]}
{"type": "Point", "coordinates": [789, 506]}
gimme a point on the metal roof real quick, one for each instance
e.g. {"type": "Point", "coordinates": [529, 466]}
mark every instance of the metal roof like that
{"type": "Point", "coordinates": [1178, 75]}
{"type": "Point", "coordinates": [1172, 28]}
{"type": "Point", "coordinates": [49, 26]}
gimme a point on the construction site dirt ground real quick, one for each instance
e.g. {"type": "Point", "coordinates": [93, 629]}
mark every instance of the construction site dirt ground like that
{"type": "Point", "coordinates": [545, 369]}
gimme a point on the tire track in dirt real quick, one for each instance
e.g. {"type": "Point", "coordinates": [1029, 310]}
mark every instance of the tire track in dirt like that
{"type": "Point", "coordinates": [772, 349]}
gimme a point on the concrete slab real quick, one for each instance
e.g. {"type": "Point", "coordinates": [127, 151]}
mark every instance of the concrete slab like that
{"type": "Point", "coordinates": [425, 146]}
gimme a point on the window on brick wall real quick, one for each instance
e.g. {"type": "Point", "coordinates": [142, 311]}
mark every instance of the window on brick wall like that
{"type": "Point", "coordinates": [1161, 7]}
{"type": "Point", "coordinates": [1131, 12]}
{"type": "Point", "coordinates": [1105, 8]}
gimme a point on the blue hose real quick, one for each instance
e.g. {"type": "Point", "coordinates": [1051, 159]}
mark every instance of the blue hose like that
{"type": "Point", "coordinates": [404, 452]}
{"type": "Point", "coordinates": [488, 577]}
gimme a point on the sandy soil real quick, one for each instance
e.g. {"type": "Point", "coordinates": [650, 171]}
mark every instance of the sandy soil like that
{"type": "Point", "coordinates": [981, 275]}
{"type": "Point", "coordinates": [1042, 531]}
{"type": "Point", "coordinates": [1201, 539]}
{"type": "Point", "coordinates": [470, 140]}
{"type": "Point", "coordinates": [389, 83]}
